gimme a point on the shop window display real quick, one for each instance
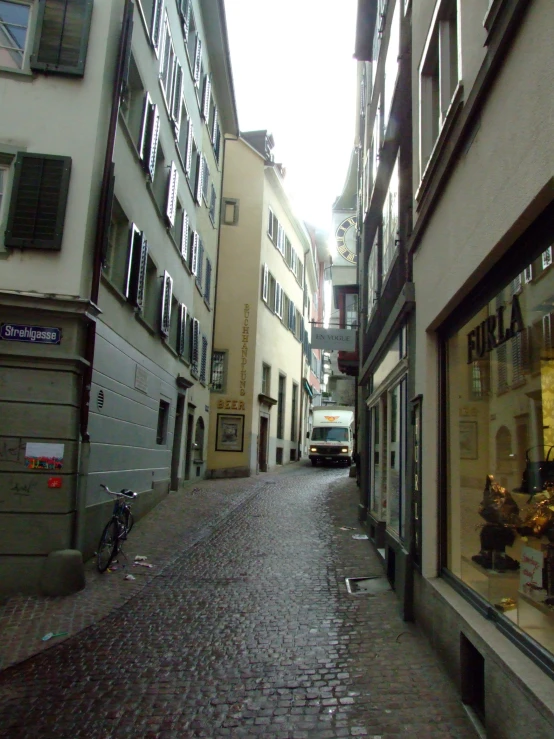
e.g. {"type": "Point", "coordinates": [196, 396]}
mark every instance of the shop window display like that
{"type": "Point", "coordinates": [500, 408]}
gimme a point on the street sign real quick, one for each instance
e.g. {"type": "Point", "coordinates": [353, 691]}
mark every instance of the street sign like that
{"type": "Point", "coordinates": [30, 334]}
{"type": "Point", "coordinates": [343, 339]}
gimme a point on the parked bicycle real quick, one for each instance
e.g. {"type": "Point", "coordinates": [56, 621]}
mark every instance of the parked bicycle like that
{"type": "Point", "coordinates": [117, 528]}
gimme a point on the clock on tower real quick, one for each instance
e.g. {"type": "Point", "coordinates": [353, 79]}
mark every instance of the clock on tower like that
{"type": "Point", "coordinates": [346, 239]}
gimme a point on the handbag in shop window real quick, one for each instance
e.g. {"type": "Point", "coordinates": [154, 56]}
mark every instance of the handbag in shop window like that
{"type": "Point", "coordinates": [538, 474]}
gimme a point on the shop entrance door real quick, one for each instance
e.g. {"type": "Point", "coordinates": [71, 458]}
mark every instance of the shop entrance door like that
{"type": "Point", "coordinates": [188, 446]}
{"type": "Point", "coordinates": [177, 441]}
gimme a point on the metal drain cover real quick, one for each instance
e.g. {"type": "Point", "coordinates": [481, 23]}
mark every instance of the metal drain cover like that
{"type": "Point", "coordinates": [367, 585]}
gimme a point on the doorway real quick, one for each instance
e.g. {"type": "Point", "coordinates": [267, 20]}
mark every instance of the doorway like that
{"type": "Point", "coordinates": [262, 443]}
{"type": "Point", "coordinates": [177, 442]}
{"type": "Point", "coordinates": [188, 445]}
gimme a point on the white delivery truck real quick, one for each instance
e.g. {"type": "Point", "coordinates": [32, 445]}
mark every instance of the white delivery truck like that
{"type": "Point", "coordinates": [332, 435]}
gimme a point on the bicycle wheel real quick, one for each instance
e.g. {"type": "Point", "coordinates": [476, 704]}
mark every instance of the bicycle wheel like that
{"type": "Point", "coordinates": [107, 546]}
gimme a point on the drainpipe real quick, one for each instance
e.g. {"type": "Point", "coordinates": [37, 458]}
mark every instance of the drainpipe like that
{"type": "Point", "coordinates": [102, 226]}
{"type": "Point", "coordinates": [301, 393]}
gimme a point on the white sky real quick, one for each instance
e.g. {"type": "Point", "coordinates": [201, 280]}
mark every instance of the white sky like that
{"type": "Point", "coordinates": [295, 75]}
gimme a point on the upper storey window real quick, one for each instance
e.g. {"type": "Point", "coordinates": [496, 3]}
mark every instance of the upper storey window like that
{"type": "Point", "coordinates": [14, 25]}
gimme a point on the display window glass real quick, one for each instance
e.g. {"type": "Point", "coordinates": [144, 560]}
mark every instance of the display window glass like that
{"type": "Point", "coordinates": [500, 443]}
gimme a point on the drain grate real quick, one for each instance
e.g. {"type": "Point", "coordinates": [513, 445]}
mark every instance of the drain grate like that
{"type": "Point", "coordinates": [367, 585]}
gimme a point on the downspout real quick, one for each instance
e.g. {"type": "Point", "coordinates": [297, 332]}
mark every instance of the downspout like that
{"type": "Point", "coordinates": [301, 393]}
{"type": "Point", "coordinates": [102, 227]}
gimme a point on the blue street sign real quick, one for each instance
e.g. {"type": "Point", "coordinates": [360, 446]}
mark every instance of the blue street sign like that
{"type": "Point", "coordinates": [30, 334]}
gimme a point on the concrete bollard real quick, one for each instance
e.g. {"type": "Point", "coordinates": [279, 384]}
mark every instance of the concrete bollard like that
{"type": "Point", "coordinates": [63, 573]}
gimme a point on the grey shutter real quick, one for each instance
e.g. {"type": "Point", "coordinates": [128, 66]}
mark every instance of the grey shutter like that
{"type": "Point", "coordinates": [213, 198]}
{"type": "Point", "coordinates": [200, 263]}
{"type": "Point", "coordinates": [135, 242]}
{"type": "Point", "coordinates": [146, 110]}
{"type": "Point", "coordinates": [199, 179]}
{"type": "Point", "coordinates": [207, 95]}
{"type": "Point", "coordinates": [208, 285]}
{"type": "Point", "coordinates": [194, 254]}
{"type": "Point", "coordinates": [177, 95]}
{"type": "Point", "coordinates": [156, 27]}
{"type": "Point", "coordinates": [38, 202]}
{"type": "Point", "coordinates": [197, 61]}
{"type": "Point", "coordinates": [136, 269]}
{"type": "Point", "coordinates": [188, 158]}
{"type": "Point", "coordinates": [61, 38]}
{"type": "Point", "coordinates": [204, 359]}
{"type": "Point", "coordinates": [182, 331]}
{"type": "Point", "coordinates": [184, 10]}
{"type": "Point", "coordinates": [185, 235]}
{"type": "Point", "coordinates": [213, 132]}
{"type": "Point", "coordinates": [165, 316]}
{"type": "Point", "coordinates": [205, 179]}
{"type": "Point", "coordinates": [194, 345]}
{"type": "Point", "coordinates": [217, 142]}
{"type": "Point", "coordinates": [171, 200]}
{"type": "Point", "coordinates": [141, 276]}
{"type": "Point", "coordinates": [153, 141]}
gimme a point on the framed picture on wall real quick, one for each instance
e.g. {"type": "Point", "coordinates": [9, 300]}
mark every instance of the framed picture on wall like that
{"type": "Point", "coordinates": [468, 440]}
{"type": "Point", "coordinates": [229, 433]}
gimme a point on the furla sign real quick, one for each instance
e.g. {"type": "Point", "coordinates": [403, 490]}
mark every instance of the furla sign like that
{"type": "Point", "coordinates": [494, 331]}
{"type": "Point", "coordinates": [343, 339]}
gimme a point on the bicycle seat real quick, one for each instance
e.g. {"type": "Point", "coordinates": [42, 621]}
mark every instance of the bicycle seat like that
{"type": "Point", "coordinates": [128, 493]}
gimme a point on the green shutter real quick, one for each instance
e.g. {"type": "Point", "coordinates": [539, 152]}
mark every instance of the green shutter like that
{"type": "Point", "coordinates": [62, 36]}
{"type": "Point", "coordinates": [38, 201]}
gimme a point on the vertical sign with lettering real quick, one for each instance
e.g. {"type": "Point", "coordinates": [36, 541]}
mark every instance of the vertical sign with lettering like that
{"type": "Point", "coordinates": [416, 486]}
{"type": "Point", "coordinates": [244, 353]}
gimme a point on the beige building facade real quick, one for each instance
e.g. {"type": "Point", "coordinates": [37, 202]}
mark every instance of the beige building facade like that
{"type": "Point", "coordinates": [259, 400]}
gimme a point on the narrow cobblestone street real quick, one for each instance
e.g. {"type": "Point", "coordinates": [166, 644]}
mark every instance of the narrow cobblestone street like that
{"type": "Point", "coordinates": [249, 633]}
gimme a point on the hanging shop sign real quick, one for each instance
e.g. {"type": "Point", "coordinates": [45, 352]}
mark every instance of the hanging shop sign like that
{"type": "Point", "coordinates": [30, 334]}
{"type": "Point", "coordinates": [493, 331]}
{"type": "Point", "coordinates": [343, 339]}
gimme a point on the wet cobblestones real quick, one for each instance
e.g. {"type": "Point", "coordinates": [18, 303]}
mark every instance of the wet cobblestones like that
{"type": "Point", "coordinates": [251, 633]}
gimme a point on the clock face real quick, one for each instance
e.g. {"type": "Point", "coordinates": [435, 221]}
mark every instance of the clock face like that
{"type": "Point", "coordinates": [346, 239]}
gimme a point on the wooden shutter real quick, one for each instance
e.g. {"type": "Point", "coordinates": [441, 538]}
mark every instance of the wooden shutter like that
{"type": "Point", "coordinates": [61, 38]}
{"type": "Point", "coordinates": [182, 331]}
{"type": "Point", "coordinates": [153, 141]}
{"type": "Point", "coordinates": [156, 27]}
{"type": "Point", "coordinates": [177, 98]}
{"type": "Point", "coordinates": [185, 235]}
{"type": "Point", "coordinates": [197, 61]}
{"type": "Point", "coordinates": [265, 282]}
{"type": "Point", "coordinates": [165, 315]}
{"type": "Point", "coordinates": [194, 253]}
{"type": "Point", "coordinates": [171, 199]}
{"type": "Point", "coordinates": [206, 98]}
{"type": "Point", "coordinates": [208, 285]}
{"type": "Point", "coordinates": [38, 202]}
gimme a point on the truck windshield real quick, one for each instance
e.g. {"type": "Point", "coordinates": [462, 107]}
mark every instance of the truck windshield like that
{"type": "Point", "coordinates": [324, 433]}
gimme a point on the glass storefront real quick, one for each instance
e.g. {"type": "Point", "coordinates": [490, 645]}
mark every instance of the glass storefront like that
{"type": "Point", "coordinates": [500, 421]}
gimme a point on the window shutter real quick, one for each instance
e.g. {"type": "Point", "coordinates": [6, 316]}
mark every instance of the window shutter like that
{"type": "Point", "coordinates": [184, 10]}
{"type": "Point", "coordinates": [185, 236]}
{"type": "Point", "coordinates": [208, 285]}
{"type": "Point", "coordinates": [213, 132]}
{"type": "Point", "coordinates": [200, 263]}
{"type": "Point", "coordinates": [206, 97]}
{"type": "Point", "coordinates": [188, 158]}
{"type": "Point", "coordinates": [204, 359]}
{"type": "Point", "coordinates": [213, 198]}
{"type": "Point", "coordinates": [277, 293]}
{"type": "Point", "coordinates": [164, 45]}
{"type": "Point", "coordinates": [197, 61]}
{"type": "Point", "coordinates": [182, 331]}
{"type": "Point", "coordinates": [62, 36]}
{"type": "Point", "coordinates": [167, 292]}
{"type": "Point", "coordinates": [194, 345]}
{"type": "Point", "coordinates": [265, 281]}
{"type": "Point", "coordinates": [172, 184]}
{"type": "Point", "coordinates": [38, 201]}
{"type": "Point", "coordinates": [156, 28]}
{"type": "Point", "coordinates": [199, 179]}
{"type": "Point", "coordinates": [194, 254]}
{"type": "Point", "coordinates": [528, 274]}
{"type": "Point", "coordinates": [153, 142]}
{"type": "Point", "coordinates": [217, 140]}
{"type": "Point", "coordinates": [146, 110]}
{"type": "Point", "coordinates": [205, 179]}
{"type": "Point", "coordinates": [177, 95]}
{"type": "Point", "coordinates": [136, 267]}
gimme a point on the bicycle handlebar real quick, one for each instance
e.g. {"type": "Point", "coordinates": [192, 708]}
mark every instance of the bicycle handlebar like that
{"type": "Point", "coordinates": [123, 493]}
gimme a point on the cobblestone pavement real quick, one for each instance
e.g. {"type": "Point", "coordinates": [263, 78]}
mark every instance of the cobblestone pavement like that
{"type": "Point", "coordinates": [251, 633]}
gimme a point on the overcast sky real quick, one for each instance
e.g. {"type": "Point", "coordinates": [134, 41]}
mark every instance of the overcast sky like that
{"type": "Point", "coordinates": [295, 76]}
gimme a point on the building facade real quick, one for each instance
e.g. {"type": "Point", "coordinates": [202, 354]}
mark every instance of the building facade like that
{"type": "Point", "coordinates": [108, 242]}
{"type": "Point", "coordinates": [260, 375]}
